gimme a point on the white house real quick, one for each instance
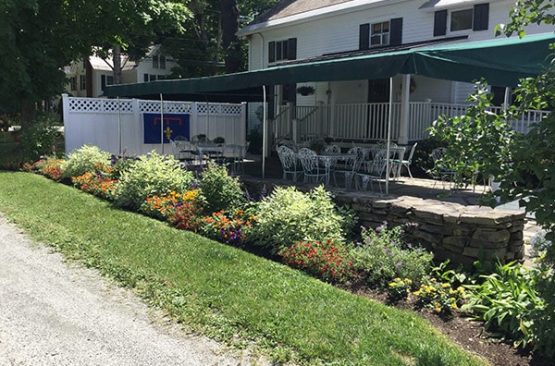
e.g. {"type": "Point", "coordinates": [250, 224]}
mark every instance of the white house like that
{"type": "Point", "coordinates": [311, 30]}
{"type": "Point", "coordinates": [89, 77]}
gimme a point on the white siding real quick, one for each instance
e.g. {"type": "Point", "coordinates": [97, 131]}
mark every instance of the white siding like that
{"type": "Point", "coordinates": [340, 32]}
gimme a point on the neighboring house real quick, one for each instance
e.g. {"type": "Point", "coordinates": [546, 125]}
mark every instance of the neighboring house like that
{"type": "Point", "coordinates": [89, 77]}
{"type": "Point", "coordinates": [311, 30]}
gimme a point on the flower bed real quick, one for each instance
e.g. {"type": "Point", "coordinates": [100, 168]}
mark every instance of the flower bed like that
{"type": "Point", "coordinates": [307, 231]}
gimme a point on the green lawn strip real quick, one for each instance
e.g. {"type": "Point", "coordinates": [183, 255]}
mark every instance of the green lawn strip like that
{"type": "Point", "coordinates": [222, 291]}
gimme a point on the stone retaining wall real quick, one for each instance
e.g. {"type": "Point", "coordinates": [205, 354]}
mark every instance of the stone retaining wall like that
{"type": "Point", "coordinates": [462, 234]}
{"type": "Point", "coordinates": [452, 231]}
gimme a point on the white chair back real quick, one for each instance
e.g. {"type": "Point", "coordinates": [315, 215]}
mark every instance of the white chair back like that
{"type": "Point", "coordinates": [287, 157]}
{"type": "Point", "coordinates": [309, 160]}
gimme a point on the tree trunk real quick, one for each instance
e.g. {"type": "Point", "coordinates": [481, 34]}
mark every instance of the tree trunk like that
{"type": "Point", "coordinates": [230, 42]}
{"type": "Point", "coordinates": [116, 59]}
{"type": "Point", "coordinates": [28, 113]}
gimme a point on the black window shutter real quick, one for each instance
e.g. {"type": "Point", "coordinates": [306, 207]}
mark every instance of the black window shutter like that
{"type": "Point", "coordinates": [102, 82]}
{"type": "Point", "coordinates": [364, 37]}
{"type": "Point", "coordinates": [292, 49]}
{"type": "Point", "coordinates": [481, 17]}
{"type": "Point", "coordinates": [396, 32]}
{"type": "Point", "coordinates": [440, 23]}
{"type": "Point", "coordinates": [272, 52]}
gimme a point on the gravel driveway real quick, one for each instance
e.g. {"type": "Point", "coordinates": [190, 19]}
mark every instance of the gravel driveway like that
{"type": "Point", "coordinates": [56, 313]}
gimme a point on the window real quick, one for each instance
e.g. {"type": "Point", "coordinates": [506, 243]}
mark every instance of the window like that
{"type": "Point", "coordinates": [145, 78]}
{"type": "Point", "coordinates": [153, 77]}
{"type": "Point", "coordinates": [379, 34]}
{"type": "Point", "coordinates": [109, 80]}
{"type": "Point", "coordinates": [461, 20]}
{"type": "Point", "coordinates": [162, 62]}
{"type": "Point", "coordinates": [155, 62]}
{"type": "Point", "coordinates": [82, 82]}
{"type": "Point", "coordinates": [282, 50]}
{"type": "Point", "coordinates": [73, 83]}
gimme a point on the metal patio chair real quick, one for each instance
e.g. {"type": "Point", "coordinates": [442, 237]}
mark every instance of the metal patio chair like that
{"type": "Point", "coordinates": [311, 166]}
{"type": "Point", "coordinates": [288, 159]}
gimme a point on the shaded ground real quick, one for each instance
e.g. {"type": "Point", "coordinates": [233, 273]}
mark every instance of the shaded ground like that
{"type": "Point", "coordinates": [470, 335]}
{"type": "Point", "coordinates": [52, 313]}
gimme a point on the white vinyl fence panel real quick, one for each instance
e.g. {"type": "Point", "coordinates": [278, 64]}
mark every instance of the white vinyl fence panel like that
{"type": "Point", "coordinates": [116, 125]}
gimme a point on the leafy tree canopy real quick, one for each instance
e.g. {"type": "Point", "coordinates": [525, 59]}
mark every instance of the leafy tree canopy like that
{"type": "Point", "coordinates": [41, 36]}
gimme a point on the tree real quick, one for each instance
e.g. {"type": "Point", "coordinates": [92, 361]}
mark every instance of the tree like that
{"type": "Point", "coordinates": [210, 44]}
{"type": "Point", "coordinates": [40, 37]}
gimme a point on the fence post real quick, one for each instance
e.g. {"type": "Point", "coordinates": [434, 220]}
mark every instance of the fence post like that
{"type": "Point", "coordinates": [295, 133]}
{"type": "Point", "coordinates": [65, 108]}
{"type": "Point", "coordinates": [242, 125]}
{"type": "Point", "coordinates": [137, 117]}
{"type": "Point", "coordinates": [193, 125]}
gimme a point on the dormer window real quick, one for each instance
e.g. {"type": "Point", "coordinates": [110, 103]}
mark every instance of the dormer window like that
{"type": "Point", "coordinates": [159, 62]}
{"type": "Point", "coordinates": [379, 34]}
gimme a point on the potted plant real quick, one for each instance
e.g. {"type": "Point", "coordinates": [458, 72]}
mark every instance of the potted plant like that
{"type": "Point", "coordinates": [305, 90]}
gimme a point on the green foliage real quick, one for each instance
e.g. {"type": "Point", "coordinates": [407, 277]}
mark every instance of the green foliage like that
{"type": "Point", "coordinates": [506, 301]}
{"type": "Point", "coordinates": [422, 155]}
{"type": "Point", "coordinates": [221, 191]}
{"type": "Point", "coordinates": [399, 289]}
{"type": "Point", "coordinates": [85, 159]}
{"type": "Point", "coordinates": [543, 327]}
{"type": "Point", "coordinates": [478, 141]}
{"type": "Point", "coordinates": [288, 216]}
{"type": "Point", "coordinates": [150, 175]}
{"type": "Point", "coordinates": [439, 296]}
{"type": "Point", "coordinates": [383, 256]}
{"type": "Point", "coordinates": [40, 138]}
{"type": "Point", "coordinates": [220, 291]}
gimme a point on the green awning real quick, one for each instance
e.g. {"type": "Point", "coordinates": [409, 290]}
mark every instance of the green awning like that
{"type": "Point", "coordinates": [501, 62]}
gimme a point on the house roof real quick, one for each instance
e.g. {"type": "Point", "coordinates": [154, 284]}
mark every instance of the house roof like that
{"type": "Point", "coordinates": [98, 63]}
{"type": "Point", "coordinates": [286, 8]}
{"type": "Point", "coordinates": [291, 11]}
{"type": "Point", "coordinates": [501, 62]}
{"type": "Point", "coordinates": [444, 4]}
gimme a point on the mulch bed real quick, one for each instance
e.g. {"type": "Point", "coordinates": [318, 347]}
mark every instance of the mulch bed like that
{"type": "Point", "coordinates": [467, 333]}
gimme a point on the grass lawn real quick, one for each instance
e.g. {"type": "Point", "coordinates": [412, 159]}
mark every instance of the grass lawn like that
{"type": "Point", "coordinates": [221, 291]}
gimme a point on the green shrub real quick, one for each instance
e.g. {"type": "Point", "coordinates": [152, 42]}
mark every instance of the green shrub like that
{"type": "Point", "coordinates": [221, 191]}
{"type": "Point", "coordinates": [85, 159]}
{"type": "Point", "coordinates": [288, 216]}
{"type": "Point", "coordinates": [39, 138]}
{"type": "Point", "coordinates": [150, 175]}
{"type": "Point", "coordinates": [507, 301]}
{"type": "Point", "coordinates": [383, 256]}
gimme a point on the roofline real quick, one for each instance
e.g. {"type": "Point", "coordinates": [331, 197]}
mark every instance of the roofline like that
{"type": "Point", "coordinates": [343, 8]}
{"type": "Point", "coordinates": [460, 4]}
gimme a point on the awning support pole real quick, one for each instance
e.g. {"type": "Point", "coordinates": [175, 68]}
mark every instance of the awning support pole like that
{"type": "Point", "coordinates": [264, 132]}
{"type": "Point", "coordinates": [506, 99]}
{"type": "Point", "coordinates": [162, 122]}
{"type": "Point", "coordinates": [405, 111]}
{"type": "Point", "coordinates": [388, 148]}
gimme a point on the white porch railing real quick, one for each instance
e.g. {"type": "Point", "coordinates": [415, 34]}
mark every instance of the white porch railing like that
{"type": "Point", "coordinates": [368, 121]}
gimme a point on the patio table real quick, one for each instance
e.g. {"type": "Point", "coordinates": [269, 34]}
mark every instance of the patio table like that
{"type": "Point", "coordinates": [210, 150]}
{"type": "Point", "coordinates": [328, 160]}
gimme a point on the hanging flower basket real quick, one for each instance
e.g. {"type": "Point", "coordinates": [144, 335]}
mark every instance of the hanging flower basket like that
{"type": "Point", "coordinates": [305, 90]}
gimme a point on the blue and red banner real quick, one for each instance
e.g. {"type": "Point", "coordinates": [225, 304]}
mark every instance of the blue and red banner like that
{"type": "Point", "coordinates": [174, 125]}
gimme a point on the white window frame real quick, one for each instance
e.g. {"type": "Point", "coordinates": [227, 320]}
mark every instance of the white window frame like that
{"type": "Point", "coordinates": [384, 36]}
{"type": "Point", "coordinates": [450, 20]}
{"type": "Point", "coordinates": [283, 46]}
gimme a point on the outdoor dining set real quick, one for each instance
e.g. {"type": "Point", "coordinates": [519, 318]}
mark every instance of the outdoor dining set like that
{"type": "Point", "coordinates": [200, 149]}
{"type": "Point", "coordinates": [358, 167]}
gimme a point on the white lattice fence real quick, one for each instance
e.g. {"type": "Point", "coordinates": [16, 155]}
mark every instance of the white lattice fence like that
{"type": "Point", "coordinates": [116, 125]}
